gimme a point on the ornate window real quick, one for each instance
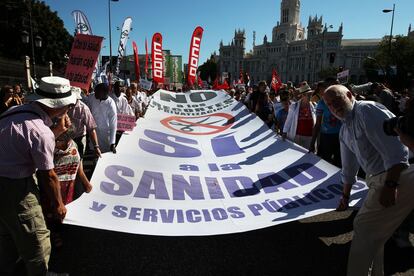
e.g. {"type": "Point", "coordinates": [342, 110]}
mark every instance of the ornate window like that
{"type": "Point", "coordinates": [285, 15]}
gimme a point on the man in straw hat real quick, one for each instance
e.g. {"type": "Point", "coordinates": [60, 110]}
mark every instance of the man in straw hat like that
{"type": "Point", "coordinates": [27, 135]}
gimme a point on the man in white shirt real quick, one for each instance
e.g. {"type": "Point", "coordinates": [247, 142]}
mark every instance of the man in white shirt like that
{"type": "Point", "coordinates": [104, 111]}
{"type": "Point", "coordinates": [121, 102]}
{"type": "Point", "coordinates": [122, 105]}
{"type": "Point", "coordinates": [138, 96]}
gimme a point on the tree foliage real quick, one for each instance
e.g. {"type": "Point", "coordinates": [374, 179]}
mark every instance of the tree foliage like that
{"type": "Point", "coordinates": [208, 69]}
{"type": "Point", "coordinates": [14, 19]}
{"type": "Point", "coordinates": [400, 57]}
{"type": "Point", "coordinates": [328, 72]}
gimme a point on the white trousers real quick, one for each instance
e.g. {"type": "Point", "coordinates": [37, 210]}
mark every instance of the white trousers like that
{"type": "Point", "coordinates": [374, 224]}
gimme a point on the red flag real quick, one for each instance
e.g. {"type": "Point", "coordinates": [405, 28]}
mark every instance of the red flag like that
{"type": "Point", "coordinates": [137, 72]}
{"type": "Point", "coordinates": [194, 54]}
{"type": "Point", "coordinates": [146, 58]}
{"type": "Point", "coordinates": [276, 82]}
{"type": "Point", "coordinates": [216, 83]}
{"type": "Point", "coordinates": [199, 80]}
{"type": "Point", "coordinates": [241, 77]}
{"type": "Point", "coordinates": [224, 86]}
{"type": "Point", "coordinates": [157, 59]}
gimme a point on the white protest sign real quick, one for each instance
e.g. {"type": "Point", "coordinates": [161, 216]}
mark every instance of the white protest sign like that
{"type": "Point", "coordinates": [145, 84]}
{"type": "Point", "coordinates": [343, 76]}
{"type": "Point", "coordinates": [200, 163]}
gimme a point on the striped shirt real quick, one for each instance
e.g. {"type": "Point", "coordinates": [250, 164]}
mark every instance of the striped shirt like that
{"type": "Point", "coordinates": [364, 143]}
{"type": "Point", "coordinates": [82, 119]}
{"type": "Point", "coordinates": [26, 142]}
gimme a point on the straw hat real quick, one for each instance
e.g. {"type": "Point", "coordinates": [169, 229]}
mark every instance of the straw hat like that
{"type": "Point", "coordinates": [53, 92]}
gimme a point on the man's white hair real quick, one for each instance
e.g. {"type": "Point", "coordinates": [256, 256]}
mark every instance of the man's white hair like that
{"type": "Point", "coordinates": [336, 90]}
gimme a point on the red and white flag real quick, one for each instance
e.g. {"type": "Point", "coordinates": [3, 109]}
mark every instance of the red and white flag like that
{"type": "Point", "coordinates": [194, 55]}
{"type": "Point", "coordinates": [136, 59]}
{"type": "Point", "coordinates": [276, 82]}
{"type": "Point", "coordinates": [157, 59]}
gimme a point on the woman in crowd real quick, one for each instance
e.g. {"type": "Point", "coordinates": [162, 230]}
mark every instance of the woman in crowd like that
{"type": "Point", "coordinates": [282, 114]}
{"type": "Point", "coordinates": [8, 98]}
{"type": "Point", "coordinates": [68, 165]}
{"type": "Point", "coordinates": [264, 109]}
{"type": "Point", "coordinates": [301, 118]}
{"type": "Point", "coordinates": [133, 103]}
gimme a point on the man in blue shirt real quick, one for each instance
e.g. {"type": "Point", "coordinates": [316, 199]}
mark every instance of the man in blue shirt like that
{"type": "Point", "coordinates": [327, 126]}
{"type": "Point", "coordinates": [281, 114]}
{"type": "Point", "coordinates": [389, 177]}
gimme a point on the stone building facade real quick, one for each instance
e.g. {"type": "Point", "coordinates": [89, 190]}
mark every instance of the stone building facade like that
{"type": "Point", "coordinates": [296, 52]}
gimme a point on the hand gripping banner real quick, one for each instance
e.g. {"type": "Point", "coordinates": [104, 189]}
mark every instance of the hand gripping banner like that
{"type": "Point", "coordinates": [194, 55]}
{"type": "Point", "coordinates": [200, 163]}
{"type": "Point", "coordinates": [126, 29]}
{"type": "Point", "coordinates": [136, 60]}
{"type": "Point", "coordinates": [157, 59]}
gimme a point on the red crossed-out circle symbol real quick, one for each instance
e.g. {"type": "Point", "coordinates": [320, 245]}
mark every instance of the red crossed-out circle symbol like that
{"type": "Point", "coordinates": [199, 125]}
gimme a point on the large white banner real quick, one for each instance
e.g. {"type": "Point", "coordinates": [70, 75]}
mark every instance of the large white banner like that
{"type": "Point", "coordinates": [201, 164]}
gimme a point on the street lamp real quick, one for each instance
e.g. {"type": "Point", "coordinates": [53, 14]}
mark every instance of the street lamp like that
{"type": "Point", "coordinates": [110, 32]}
{"type": "Point", "coordinates": [392, 23]}
{"type": "Point", "coordinates": [36, 42]}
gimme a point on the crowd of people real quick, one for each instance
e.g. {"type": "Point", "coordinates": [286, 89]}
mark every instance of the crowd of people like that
{"type": "Point", "coordinates": [45, 135]}
{"type": "Point", "coordinates": [345, 125]}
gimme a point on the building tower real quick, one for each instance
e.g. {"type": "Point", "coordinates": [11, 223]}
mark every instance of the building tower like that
{"type": "Point", "coordinates": [289, 27]}
{"type": "Point", "coordinates": [315, 26]}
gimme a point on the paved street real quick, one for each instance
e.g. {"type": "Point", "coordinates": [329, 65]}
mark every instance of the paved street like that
{"type": "Point", "coordinates": [314, 246]}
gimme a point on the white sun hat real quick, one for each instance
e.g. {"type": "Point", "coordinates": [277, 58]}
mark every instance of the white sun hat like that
{"type": "Point", "coordinates": [53, 92]}
{"type": "Point", "coordinates": [77, 91]}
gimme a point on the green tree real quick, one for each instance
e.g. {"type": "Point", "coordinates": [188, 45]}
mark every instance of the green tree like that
{"type": "Point", "coordinates": [14, 19]}
{"type": "Point", "coordinates": [399, 57]}
{"type": "Point", "coordinates": [328, 72]}
{"type": "Point", "coordinates": [208, 69]}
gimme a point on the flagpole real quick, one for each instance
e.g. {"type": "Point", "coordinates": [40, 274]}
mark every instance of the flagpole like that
{"type": "Point", "coordinates": [110, 35]}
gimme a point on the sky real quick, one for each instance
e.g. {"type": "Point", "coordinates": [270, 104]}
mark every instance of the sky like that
{"type": "Point", "coordinates": [176, 20]}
